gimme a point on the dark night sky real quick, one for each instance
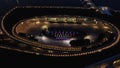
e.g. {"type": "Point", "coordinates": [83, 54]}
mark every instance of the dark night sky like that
{"type": "Point", "coordinates": [115, 4]}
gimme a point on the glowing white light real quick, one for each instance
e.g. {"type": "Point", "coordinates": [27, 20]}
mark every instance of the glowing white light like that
{"type": "Point", "coordinates": [34, 19]}
{"type": "Point", "coordinates": [67, 42]}
{"type": "Point", "coordinates": [45, 27]}
{"type": "Point", "coordinates": [44, 38]}
{"type": "Point", "coordinates": [22, 23]}
{"type": "Point", "coordinates": [106, 27]}
{"type": "Point", "coordinates": [117, 61]}
{"type": "Point", "coordinates": [90, 37]}
{"type": "Point", "coordinates": [37, 22]}
{"type": "Point", "coordinates": [1, 32]}
{"type": "Point", "coordinates": [104, 8]}
{"type": "Point", "coordinates": [85, 19]}
{"type": "Point", "coordinates": [40, 38]}
{"type": "Point", "coordinates": [46, 22]}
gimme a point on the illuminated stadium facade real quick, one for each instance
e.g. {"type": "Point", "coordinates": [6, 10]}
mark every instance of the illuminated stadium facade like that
{"type": "Point", "coordinates": [57, 30]}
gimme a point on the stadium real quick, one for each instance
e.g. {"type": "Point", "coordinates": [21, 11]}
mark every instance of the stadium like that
{"type": "Point", "coordinates": [51, 28]}
{"type": "Point", "coordinates": [73, 34]}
